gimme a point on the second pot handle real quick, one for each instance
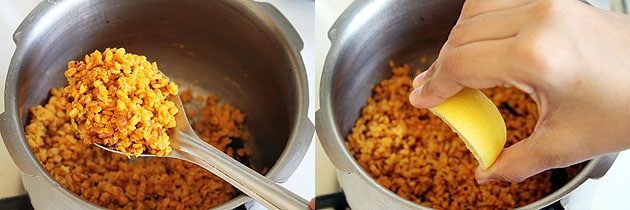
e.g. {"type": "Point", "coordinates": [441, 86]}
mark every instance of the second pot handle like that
{"type": "Point", "coordinates": [602, 165]}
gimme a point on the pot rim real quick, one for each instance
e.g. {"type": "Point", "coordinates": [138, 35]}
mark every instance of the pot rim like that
{"type": "Point", "coordinates": [299, 139]}
{"type": "Point", "coordinates": [334, 143]}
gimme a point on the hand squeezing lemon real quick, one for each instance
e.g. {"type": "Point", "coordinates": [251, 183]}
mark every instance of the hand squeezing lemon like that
{"type": "Point", "coordinates": [477, 121]}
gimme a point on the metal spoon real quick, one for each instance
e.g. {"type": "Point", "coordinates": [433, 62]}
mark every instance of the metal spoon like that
{"type": "Point", "coordinates": [189, 147]}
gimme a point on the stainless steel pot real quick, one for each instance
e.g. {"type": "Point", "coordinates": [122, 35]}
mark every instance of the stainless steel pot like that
{"type": "Point", "coordinates": [244, 51]}
{"type": "Point", "coordinates": [363, 40]}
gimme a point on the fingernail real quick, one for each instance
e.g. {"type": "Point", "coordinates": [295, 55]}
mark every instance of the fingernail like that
{"type": "Point", "coordinates": [419, 80]}
{"type": "Point", "coordinates": [415, 98]}
{"type": "Point", "coordinates": [485, 181]}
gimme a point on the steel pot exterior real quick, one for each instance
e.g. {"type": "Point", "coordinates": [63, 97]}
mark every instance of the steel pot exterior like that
{"type": "Point", "coordinates": [366, 36]}
{"type": "Point", "coordinates": [245, 51]}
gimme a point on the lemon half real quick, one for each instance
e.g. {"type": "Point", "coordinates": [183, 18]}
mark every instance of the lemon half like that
{"type": "Point", "coordinates": [477, 121]}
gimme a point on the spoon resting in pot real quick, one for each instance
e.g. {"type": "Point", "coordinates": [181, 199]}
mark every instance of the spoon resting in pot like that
{"type": "Point", "coordinates": [189, 147]}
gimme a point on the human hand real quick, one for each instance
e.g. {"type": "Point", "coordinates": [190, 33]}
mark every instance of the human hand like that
{"type": "Point", "coordinates": [573, 60]}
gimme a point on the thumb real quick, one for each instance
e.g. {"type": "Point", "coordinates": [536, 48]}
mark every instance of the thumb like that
{"type": "Point", "coordinates": [434, 87]}
{"type": "Point", "coordinates": [518, 162]}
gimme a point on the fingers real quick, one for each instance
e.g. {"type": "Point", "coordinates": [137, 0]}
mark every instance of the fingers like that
{"type": "Point", "coordinates": [515, 164]}
{"type": "Point", "coordinates": [489, 26]}
{"type": "Point", "coordinates": [473, 8]}
{"type": "Point", "coordinates": [422, 77]}
{"type": "Point", "coordinates": [476, 65]}
{"type": "Point", "coordinates": [431, 93]}
{"type": "Point", "coordinates": [552, 145]}
{"type": "Point", "coordinates": [476, 54]}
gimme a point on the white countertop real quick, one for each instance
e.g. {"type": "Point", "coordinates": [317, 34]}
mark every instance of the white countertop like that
{"type": "Point", "coordinates": [609, 192]}
{"type": "Point", "coordinates": [299, 12]}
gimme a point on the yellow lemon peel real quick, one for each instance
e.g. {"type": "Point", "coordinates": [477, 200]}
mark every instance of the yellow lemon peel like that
{"type": "Point", "coordinates": [477, 121]}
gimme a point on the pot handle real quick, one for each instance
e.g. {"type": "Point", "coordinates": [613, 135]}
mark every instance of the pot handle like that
{"type": "Point", "coordinates": [285, 25]}
{"type": "Point", "coordinates": [27, 26]}
{"type": "Point", "coordinates": [19, 152]}
{"type": "Point", "coordinates": [619, 6]}
{"type": "Point", "coordinates": [342, 21]}
{"type": "Point", "coordinates": [305, 128]}
{"type": "Point", "coordinates": [602, 164]}
{"type": "Point", "coordinates": [298, 148]}
{"type": "Point", "coordinates": [333, 146]}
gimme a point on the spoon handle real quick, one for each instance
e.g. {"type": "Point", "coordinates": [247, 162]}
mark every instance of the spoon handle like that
{"type": "Point", "coordinates": [250, 182]}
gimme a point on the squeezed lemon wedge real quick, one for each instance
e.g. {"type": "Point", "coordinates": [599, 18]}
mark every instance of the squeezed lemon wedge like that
{"type": "Point", "coordinates": [477, 121]}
